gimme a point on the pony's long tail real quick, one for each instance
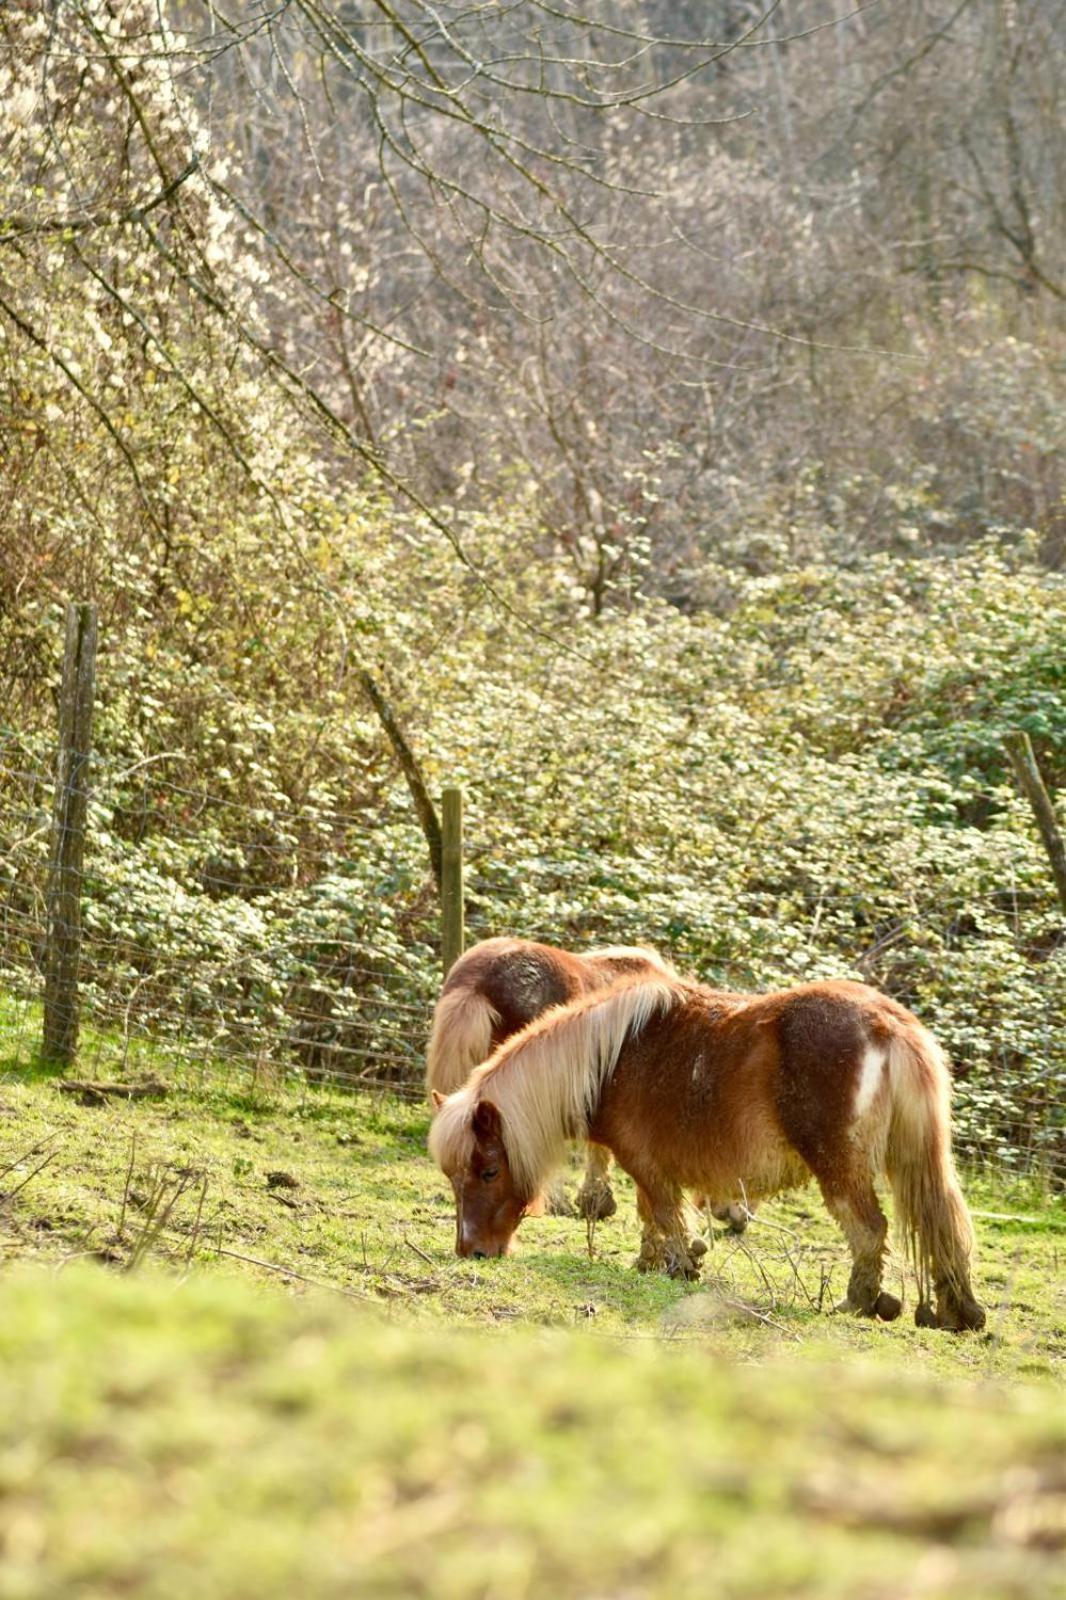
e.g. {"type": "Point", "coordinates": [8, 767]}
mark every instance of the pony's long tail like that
{"type": "Point", "coordinates": [460, 1039]}
{"type": "Point", "coordinates": [931, 1212]}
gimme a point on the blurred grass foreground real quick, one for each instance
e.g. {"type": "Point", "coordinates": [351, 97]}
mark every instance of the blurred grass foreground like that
{"type": "Point", "coordinates": [165, 1438]}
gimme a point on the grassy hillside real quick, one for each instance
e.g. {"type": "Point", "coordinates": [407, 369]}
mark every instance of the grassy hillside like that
{"type": "Point", "coordinates": [337, 1189]}
{"type": "Point", "coordinates": [262, 1372]}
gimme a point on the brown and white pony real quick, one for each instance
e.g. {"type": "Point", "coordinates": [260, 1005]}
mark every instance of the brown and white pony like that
{"type": "Point", "coordinates": [500, 986]}
{"type": "Point", "coordinates": [696, 1088]}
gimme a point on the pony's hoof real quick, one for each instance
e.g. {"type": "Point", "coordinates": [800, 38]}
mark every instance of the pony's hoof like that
{"type": "Point", "coordinates": [925, 1316]}
{"type": "Point", "coordinates": [974, 1315]}
{"type": "Point", "coordinates": [697, 1248]}
{"type": "Point", "coordinates": [736, 1218]}
{"type": "Point", "coordinates": [960, 1316]}
{"type": "Point", "coordinates": [885, 1306]}
{"type": "Point", "coordinates": [677, 1260]}
{"type": "Point", "coordinates": [652, 1258]}
{"type": "Point", "coordinates": [596, 1202]}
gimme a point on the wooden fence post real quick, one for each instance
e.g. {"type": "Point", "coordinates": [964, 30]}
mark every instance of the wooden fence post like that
{"type": "Point", "coordinates": [453, 932]}
{"type": "Point", "coordinates": [63, 944]}
{"type": "Point", "coordinates": [1022, 759]}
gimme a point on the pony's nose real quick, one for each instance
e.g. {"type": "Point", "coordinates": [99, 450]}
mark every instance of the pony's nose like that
{"type": "Point", "coordinates": [480, 1255]}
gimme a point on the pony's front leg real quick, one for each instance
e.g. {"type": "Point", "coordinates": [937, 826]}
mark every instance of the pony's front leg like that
{"type": "Point", "coordinates": [665, 1245]}
{"type": "Point", "coordinates": [595, 1200]}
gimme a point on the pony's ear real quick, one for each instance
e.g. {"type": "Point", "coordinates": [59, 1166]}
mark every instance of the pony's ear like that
{"type": "Point", "coordinates": [438, 1099]}
{"type": "Point", "coordinates": [486, 1121]}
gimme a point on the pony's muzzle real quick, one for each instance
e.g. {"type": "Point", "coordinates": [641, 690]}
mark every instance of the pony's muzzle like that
{"type": "Point", "coordinates": [469, 1250]}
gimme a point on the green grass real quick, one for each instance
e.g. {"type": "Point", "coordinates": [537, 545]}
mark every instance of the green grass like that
{"type": "Point", "coordinates": [302, 1392]}
{"type": "Point", "coordinates": [372, 1216]}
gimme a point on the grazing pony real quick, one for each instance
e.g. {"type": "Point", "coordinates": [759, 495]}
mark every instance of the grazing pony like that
{"type": "Point", "coordinates": [501, 985]}
{"type": "Point", "coordinates": [697, 1088]}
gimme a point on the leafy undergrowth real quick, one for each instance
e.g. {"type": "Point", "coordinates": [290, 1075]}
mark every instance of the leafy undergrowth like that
{"type": "Point", "coordinates": [316, 1398]}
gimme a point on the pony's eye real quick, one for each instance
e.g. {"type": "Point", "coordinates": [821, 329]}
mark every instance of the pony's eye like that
{"type": "Point", "coordinates": [490, 1173]}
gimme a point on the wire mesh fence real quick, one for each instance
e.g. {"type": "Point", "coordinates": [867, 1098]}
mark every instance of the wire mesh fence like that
{"type": "Point", "coordinates": [230, 939]}
{"type": "Point", "coordinates": [276, 939]}
{"type": "Point", "coordinates": [911, 939]}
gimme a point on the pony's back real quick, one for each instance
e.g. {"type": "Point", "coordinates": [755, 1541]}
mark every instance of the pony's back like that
{"type": "Point", "coordinates": [501, 985]}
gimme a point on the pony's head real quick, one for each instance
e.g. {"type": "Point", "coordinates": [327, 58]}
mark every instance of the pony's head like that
{"type": "Point", "coordinates": [499, 1137]}
{"type": "Point", "coordinates": [467, 1142]}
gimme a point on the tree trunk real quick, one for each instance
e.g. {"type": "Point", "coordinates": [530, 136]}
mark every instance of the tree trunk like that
{"type": "Point", "coordinates": [424, 806]}
{"type": "Point", "coordinates": [1022, 759]}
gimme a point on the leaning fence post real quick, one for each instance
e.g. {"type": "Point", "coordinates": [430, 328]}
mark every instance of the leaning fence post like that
{"type": "Point", "coordinates": [453, 934]}
{"type": "Point", "coordinates": [63, 939]}
{"type": "Point", "coordinates": [1020, 750]}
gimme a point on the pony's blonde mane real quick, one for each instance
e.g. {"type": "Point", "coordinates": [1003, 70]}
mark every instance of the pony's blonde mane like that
{"type": "Point", "coordinates": [545, 1081]}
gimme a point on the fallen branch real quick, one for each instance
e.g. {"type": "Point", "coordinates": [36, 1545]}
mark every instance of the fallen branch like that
{"type": "Point", "coordinates": [94, 1094]}
{"type": "Point", "coordinates": [1013, 1216]}
{"type": "Point", "coordinates": [10, 1195]}
{"type": "Point", "coordinates": [288, 1272]}
{"type": "Point", "coordinates": [419, 1252]}
{"type": "Point", "coordinates": [412, 771]}
{"type": "Point", "coordinates": [34, 1150]}
{"type": "Point", "coordinates": [760, 1316]}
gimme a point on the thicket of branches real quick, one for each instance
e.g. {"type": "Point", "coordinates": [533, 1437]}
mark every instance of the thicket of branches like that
{"type": "Point", "coordinates": [633, 274]}
{"type": "Point", "coordinates": [762, 283]}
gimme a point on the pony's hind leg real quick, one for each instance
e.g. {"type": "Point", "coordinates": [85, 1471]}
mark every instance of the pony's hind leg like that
{"type": "Point", "coordinates": [957, 1309]}
{"type": "Point", "coordinates": [595, 1200]}
{"type": "Point", "coordinates": [665, 1245]}
{"type": "Point", "coordinates": [855, 1206]}
{"type": "Point", "coordinates": [937, 1226]}
{"type": "Point", "coordinates": [737, 1214]}
{"type": "Point", "coordinates": [555, 1202]}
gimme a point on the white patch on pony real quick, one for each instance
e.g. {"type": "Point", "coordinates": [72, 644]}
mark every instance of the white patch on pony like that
{"type": "Point", "coordinates": [871, 1077]}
